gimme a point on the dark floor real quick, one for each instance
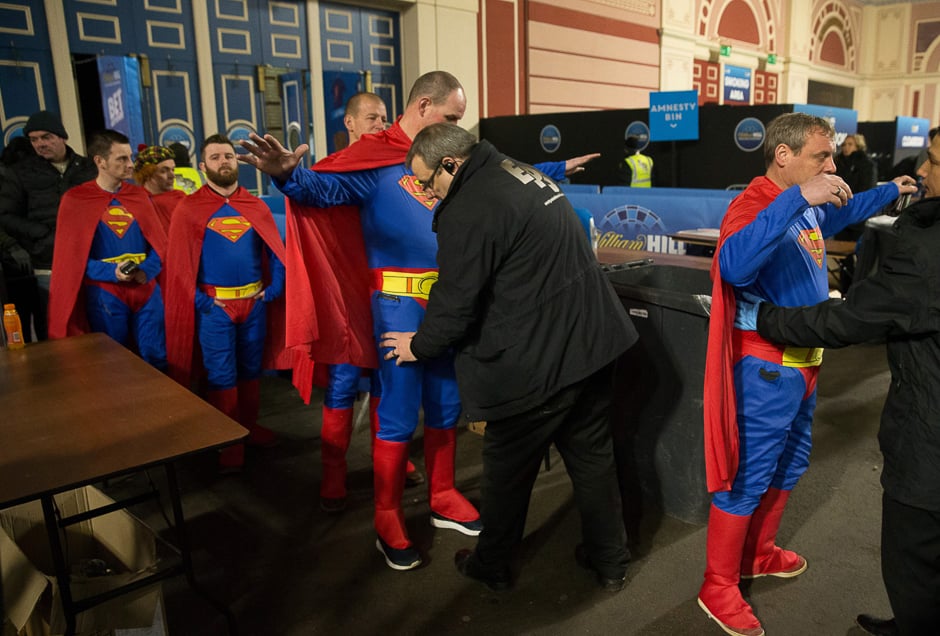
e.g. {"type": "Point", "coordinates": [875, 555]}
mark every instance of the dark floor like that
{"type": "Point", "coordinates": [262, 545]}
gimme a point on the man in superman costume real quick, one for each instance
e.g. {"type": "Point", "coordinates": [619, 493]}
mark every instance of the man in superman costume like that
{"type": "Point", "coordinates": [105, 228]}
{"type": "Point", "coordinates": [224, 274]}
{"type": "Point", "coordinates": [760, 397]}
{"type": "Point", "coordinates": [399, 267]}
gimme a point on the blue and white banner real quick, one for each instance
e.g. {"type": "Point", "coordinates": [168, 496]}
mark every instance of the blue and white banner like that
{"type": "Point", "coordinates": [120, 96]}
{"type": "Point", "coordinates": [737, 83]}
{"type": "Point", "coordinates": [673, 115]}
{"type": "Point", "coordinates": [912, 132]}
{"type": "Point", "coordinates": [844, 120]}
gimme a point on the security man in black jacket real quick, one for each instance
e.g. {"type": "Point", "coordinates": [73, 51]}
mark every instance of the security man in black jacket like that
{"type": "Point", "coordinates": [536, 328]}
{"type": "Point", "coordinates": [899, 303]}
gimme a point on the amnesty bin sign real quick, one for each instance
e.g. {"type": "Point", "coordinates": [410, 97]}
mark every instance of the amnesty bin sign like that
{"type": "Point", "coordinates": [673, 115]}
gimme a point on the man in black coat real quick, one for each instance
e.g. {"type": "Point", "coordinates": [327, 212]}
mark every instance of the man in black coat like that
{"type": "Point", "coordinates": [536, 328]}
{"type": "Point", "coordinates": [899, 303]}
{"type": "Point", "coordinates": [29, 202]}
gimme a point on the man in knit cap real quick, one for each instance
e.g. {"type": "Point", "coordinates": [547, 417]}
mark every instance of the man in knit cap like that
{"type": "Point", "coordinates": [29, 203]}
{"type": "Point", "coordinates": [153, 170]}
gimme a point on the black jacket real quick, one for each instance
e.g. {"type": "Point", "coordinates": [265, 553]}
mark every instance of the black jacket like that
{"type": "Point", "coordinates": [520, 296]}
{"type": "Point", "coordinates": [899, 303]}
{"type": "Point", "coordinates": [29, 201]}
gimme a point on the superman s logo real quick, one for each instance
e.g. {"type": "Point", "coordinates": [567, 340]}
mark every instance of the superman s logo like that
{"type": "Point", "coordinates": [231, 227]}
{"type": "Point", "coordinates": [812, 241]}
{"type": "Point", "coordinates": [412, 186]}
{"type": "Point", "coordinates": [117, 219]}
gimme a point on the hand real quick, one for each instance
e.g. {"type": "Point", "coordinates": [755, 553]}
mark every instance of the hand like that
{"type": "Point", "coordinates": [121, 276]}
{"type": "Point", "coordinates": [270, 157]}
{"type": "Point", "coordinates": [747, 308]}
{"type": "Point", "coordinates": [826, 188]}
{"type": "Point", "coordinates": [400, 344]}
{"type": "Point", "coordinates": [905, 184]}
{"type": "Point", "coordinates": [576, 164]}
{"type": "Point", "coordinates": [21, 259]}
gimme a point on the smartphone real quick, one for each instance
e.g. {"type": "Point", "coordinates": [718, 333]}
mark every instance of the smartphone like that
{"type": "Point", "coordinates": [129, 268]}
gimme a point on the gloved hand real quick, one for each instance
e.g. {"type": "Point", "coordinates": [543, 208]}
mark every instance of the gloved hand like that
{"type": "Point", "coordinates": [745, 315]}
{"type": "Point", "coordinates": [21, 259]}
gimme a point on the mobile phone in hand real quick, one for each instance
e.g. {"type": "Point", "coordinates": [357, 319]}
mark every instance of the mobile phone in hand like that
{"type": "Point", "coordinates": [129, 268]}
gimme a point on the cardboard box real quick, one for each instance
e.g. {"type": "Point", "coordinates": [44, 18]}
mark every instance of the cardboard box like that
{"type": "Point", "coordinates": [117, 541]}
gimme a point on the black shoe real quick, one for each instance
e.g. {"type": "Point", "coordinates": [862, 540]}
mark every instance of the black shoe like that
{"type": "Point", "coordinates": [877, 626]}
{"type": "Point", "coordinates": [608, 584]}
{"type": "Point", "coordinates": [498, 582]}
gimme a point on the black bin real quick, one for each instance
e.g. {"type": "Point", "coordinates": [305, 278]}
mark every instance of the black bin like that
{"type": "Point", "coordinates": [657, 419]}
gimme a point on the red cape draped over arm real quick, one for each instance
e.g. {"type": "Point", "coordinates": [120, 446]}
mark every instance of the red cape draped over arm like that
{"type": "Point", "coordinates": [329, 318]}
{"type": "Point", "coordinates": [187, 230]}
{"type": "Point", "coordinates": [720, 407]}
{"type": "Point", "coordinates": [80, 211]}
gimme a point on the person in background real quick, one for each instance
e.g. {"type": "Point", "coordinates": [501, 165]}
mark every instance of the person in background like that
{"type": "Point", "coordinates": [153, 170]}
{"type": "Point", "coordinates": [855, 166]}
{"type": "Point", "coordinates": [365, 115]}
{"type": "Point", "coordinates": [224, 272]}
{"type": "Point", "coordinates": [898, 304]}
{"type": "Point", "coordinates": [109, 249]}
{"type": "Point", "coordinates": [186, 178]}
{"type": "Point", "coordinates": [536, 327]}
{"type": "Point", "coordinates": [18, 285]}
{"type": "Point", "coordinates": [29, 205]}
{"type": "Point", "coordinates": [635, 169]}
{"type": "Point", "coordinates": [759, 397]}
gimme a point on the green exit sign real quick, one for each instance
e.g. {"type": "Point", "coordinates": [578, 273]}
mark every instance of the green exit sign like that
{"type": "Point", "coordinates": [725, 50]}
{"type": "Point", "coordinates": [772, 58]}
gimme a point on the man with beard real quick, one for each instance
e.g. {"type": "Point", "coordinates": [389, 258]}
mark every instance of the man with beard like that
{"type": "Point", "coordinates": [153, 170]}
{"type": "Point", "coordinates": [224, 270]}
{"type": "Point", "coordinates": [107, 256]}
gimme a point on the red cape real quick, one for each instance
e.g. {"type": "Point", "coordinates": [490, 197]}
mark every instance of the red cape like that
{"type": "Point", "coordinates": [720, 408]}
{"type": "Point", "coordinates": [187, 231]}
{"type": "Point", "coordinates": [165, 203]}
{"type": "Point", "coordinates": [80, 212]}
{"type": "Point", "coordinates": [329, 318]}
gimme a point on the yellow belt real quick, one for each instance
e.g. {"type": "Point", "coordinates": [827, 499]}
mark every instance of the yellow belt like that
{"type": "Point", "coordinates": [802, 356]}
{"type": "Point", "coordinates": [233, 293]}
{"type": "Point", "coordinates": [417, 285]}
{"type": "Point", "coordinates": [137, 258]}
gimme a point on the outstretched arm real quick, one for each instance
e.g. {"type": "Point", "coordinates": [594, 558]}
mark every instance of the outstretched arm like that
{"type": "Point", "coordinates": [270, 157]}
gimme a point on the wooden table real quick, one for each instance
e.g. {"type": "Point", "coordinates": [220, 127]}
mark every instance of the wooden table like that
{"type": "Point", "coordinates": [83, 409]}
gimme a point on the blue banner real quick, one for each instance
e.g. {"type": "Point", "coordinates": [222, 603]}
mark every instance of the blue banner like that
{"type": "Point", "coordinates": [120, 96]}
{"type": "Point", "coordinates": [737, 83]}
{"type": "Point", "coordinates": [911, 133]}
{"type": "Point", "coordinates": [673, 115]}
{"type": "Point", "coordinates": [642, 218]}
{"type": "Point", "coordinates": [844, 120]}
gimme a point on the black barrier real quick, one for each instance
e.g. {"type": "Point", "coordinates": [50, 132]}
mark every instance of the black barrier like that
{"type": "Point", "coordinates": [656, 419]}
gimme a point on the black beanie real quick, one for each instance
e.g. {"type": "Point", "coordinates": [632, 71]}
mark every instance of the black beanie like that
{"type": "Point", "coordinates": [48, 121]}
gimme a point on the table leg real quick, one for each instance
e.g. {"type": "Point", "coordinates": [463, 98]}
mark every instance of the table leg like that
{"type": "Point", "coordinates": [59, 563]}
{"type": "Point", "coordinates": [182, 544]}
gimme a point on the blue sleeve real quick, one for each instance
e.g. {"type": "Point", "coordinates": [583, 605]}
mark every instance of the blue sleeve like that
{"type": "Point", "coordinates": [276, 286]}
{"type": "Point", "coordinates": [555, 170]}
{"type": "Point", "coordinates": [101, 271]}
{"type": "Point", "coordinates": [324, 190]}
{"type": "Point", "coordinates": [151, 265]}
{"type": "Point", "coordinates": [743, 254]}
{"type": "Point", "coordinates": [860, 207]}
{"type": "Point", "coordinates": [204, 301]}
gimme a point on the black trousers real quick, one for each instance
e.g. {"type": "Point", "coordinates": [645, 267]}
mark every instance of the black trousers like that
{"type": "Point", "coordinates": [576, 420]}
{"type": "Point", "coordinates": [910, 565]}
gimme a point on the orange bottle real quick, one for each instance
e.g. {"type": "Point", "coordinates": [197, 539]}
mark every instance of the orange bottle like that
{"type": "Point", "coordinates": [13, 327]}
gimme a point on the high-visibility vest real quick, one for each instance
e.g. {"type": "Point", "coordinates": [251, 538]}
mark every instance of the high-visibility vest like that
{"type": "Point", "coordinates": [187, 179]}
{"type": "Point", "coordinates": [641, 167]}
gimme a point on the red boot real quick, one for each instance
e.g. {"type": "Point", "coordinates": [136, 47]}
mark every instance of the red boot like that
{"type": "Point", "coordinates": [334, 442]}
{"type": "Point", "coordinates": [720, 596]}
{"type": "Point", "coordinates": [412, 476]}
{"type": "Point", "coordinates": [449, 509]}
{"type": "Point", "coordinates": [388, 461]}
{"type": "Point", "coordinates": [249, 401]}
{"type": "Point", "coordinates": [761, 555]}
{"type": "Point", "coordinates": [231, 458]}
